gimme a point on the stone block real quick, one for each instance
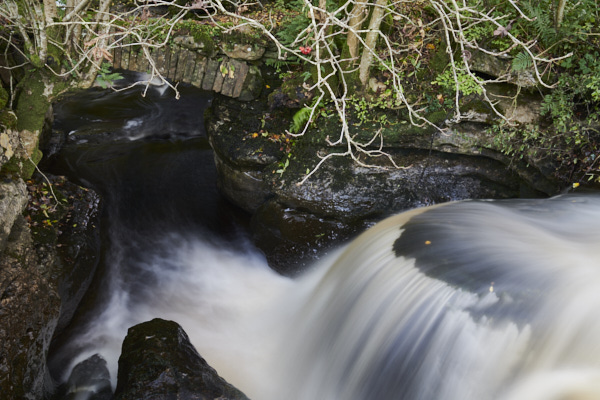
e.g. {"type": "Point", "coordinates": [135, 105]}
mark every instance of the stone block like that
{"type": "Point", "coordinates": [222, 72]}
{"type": "Point", "coordinates": [173, 57]}
{"type": "Point", "coordinates": [133, 58]}
{"type": "Point", "coordinates": [160, 60]}
{"type": "Point", "coordinates": [210, 74]}
{"type": "Point", "coordinates": [234, 77]}
{"type": "Point", "coordinates": [248, 52]}
{"type": "Point", "coordinates": [117, 57]}
{"type": "Point", "coordinates": [143, 64]}
{"type": "Point", "coordinates": [240, 78]}
{"type": "Point", "coordinates": [181, 64]}
{"type": "Point", "coordinates": [199, 69]}
{"type": "Point", "coordinates": [188, 72]}
{"type": "Point", "coordinates": [125, 57]}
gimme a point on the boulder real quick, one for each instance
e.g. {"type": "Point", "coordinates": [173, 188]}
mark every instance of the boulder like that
{"type": "Point", "coordinates": [501, 67]}
{"type": "Point", "coordinates": [158, 362]}
{"type": "Point", "coordinates": [346, 191]}
{"type": "Point", "coordinates": [90, 380]}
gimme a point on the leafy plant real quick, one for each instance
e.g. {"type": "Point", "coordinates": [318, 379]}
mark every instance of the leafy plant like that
{"type": "Point", "coordinates": [284, 164]}
{"type": "Point", "coordinates": [522, 61]}
{"type": "Point", "coordinates": [300, 118]}
{"type": "Point", "coordinates": [467, 85]}
{"type": "Point", "coordinates": [105, 77]}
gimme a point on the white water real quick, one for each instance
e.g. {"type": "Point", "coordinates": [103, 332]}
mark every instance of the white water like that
{"type": "Point", "coordinates": [514, 316]}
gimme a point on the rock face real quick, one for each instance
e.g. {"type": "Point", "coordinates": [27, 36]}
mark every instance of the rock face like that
{"type": "Point", "coordinates": [159, 362]}
{"type": "Point", "coordinates": [29, 310]}
{"type": "Point", "coordinates": [13, 199]}
{"type": "Point", "coordinates": [40, 282]}
{"type": "Point", "coordinates": [260, 170]}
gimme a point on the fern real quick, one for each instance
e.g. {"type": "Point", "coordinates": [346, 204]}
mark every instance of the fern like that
{"type": "Point", "coordinates": [541, 13]}
{"type": "Point", "coordinates": [522, 61]}
{"type": "Point", "coordinates": [300, 118]}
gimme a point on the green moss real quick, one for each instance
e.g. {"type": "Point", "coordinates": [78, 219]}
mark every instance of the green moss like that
{"type": "Point", "coordinates": [439, 61]}
{"type": "Point", "coordinates": [32, 104]}
{"type": "Point", "coordinates": [333, 81]}
{"type": "Point", "coordinates": [22, 167]}
{"type": "Point", "coordinates": [437, 117]}
{"type": "Point", "coordinates": [3, 97]}
{"type": "Point", "coordinates": [8, 120]}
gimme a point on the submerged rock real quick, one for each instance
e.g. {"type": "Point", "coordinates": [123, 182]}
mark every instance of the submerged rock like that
{"type": "Point", "coordinates": [159, 362]}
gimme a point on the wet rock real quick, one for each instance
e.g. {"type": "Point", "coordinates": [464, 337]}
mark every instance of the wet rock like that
{"type": "Point", "coordinates": [253, 84]}
{"type": "Point", "coordinates": [77, 246]}
{"type": "Point", "coordinates": [458, 161]}
{"type": "Point", "coordinates": [294, 239]}
{"type": "Point", "coordinates": [90, 380]}
{"type": "Point", "coordinates": [159, 362]}
{"type": "Point", "coordinates": [245, 188]}
{"type": "Point", "coordinates": [29, 310]}
{"type": "Point", "coordinates": [39, 278]}
{"type": "Point", "coordinates": [348, 192]}
{"type": "Point", "coordinates": [241, 152]}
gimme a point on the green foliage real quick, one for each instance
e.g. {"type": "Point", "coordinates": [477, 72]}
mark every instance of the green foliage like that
{"type": "Point", "coordinates": [280, 65]}
{"type": "Point", "coordinates": [370, 110]}
{"type": "Point", "coordinates": [541, 13]}
{"type": "Point", "coordinates": [522, 61]}
{"type": "Point", "coordinates": [467, 85]}
{"type": "Point", "coordinates": [284, 164]}
{"type": "Point", "coordinates": [300, 118]}
{"type": "Point", "coordinates": [574, 153]}
{"type": "Point", "coordinates": [293, 26]}
{"type": "Point", "coordinates": [105, 77]}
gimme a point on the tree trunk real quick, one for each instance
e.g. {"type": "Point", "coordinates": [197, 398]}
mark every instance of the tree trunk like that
{"type": "Point", "coordinates": [560, 13]}
{"type": "Point", "coordinates": [50, 10]}
{"type": "Point", "coordinates": [357, 16]}
{"type": "Point", "coordinates": [371, 41]}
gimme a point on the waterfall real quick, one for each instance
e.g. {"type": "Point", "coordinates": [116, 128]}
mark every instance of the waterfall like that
{"type": "Point", "coordinates": [473, 300]}
{"type": "Point", "coordinates": [470, 300]}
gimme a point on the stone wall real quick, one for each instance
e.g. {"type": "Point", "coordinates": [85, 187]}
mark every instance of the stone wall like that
{"type": "Point", "coordinates": [227, 71]}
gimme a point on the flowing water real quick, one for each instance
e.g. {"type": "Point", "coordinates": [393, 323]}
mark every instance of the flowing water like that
{"type": "Point", "coordinates": [472, 300]}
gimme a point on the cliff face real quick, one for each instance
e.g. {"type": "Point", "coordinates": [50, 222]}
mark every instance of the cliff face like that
{"type": "Point", "coordinates": [42, 242]}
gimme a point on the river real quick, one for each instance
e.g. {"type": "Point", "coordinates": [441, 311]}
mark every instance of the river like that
{"type": "Point", "coordinates": [469, 300]}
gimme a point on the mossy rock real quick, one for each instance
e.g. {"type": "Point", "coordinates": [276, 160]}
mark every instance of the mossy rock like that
{"type": "Point", "coordinates": [23, 167]}
{"type": "Point", "coordinates": [291, 94]}
{"type": "Point", "coordinates": [32, 104]}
